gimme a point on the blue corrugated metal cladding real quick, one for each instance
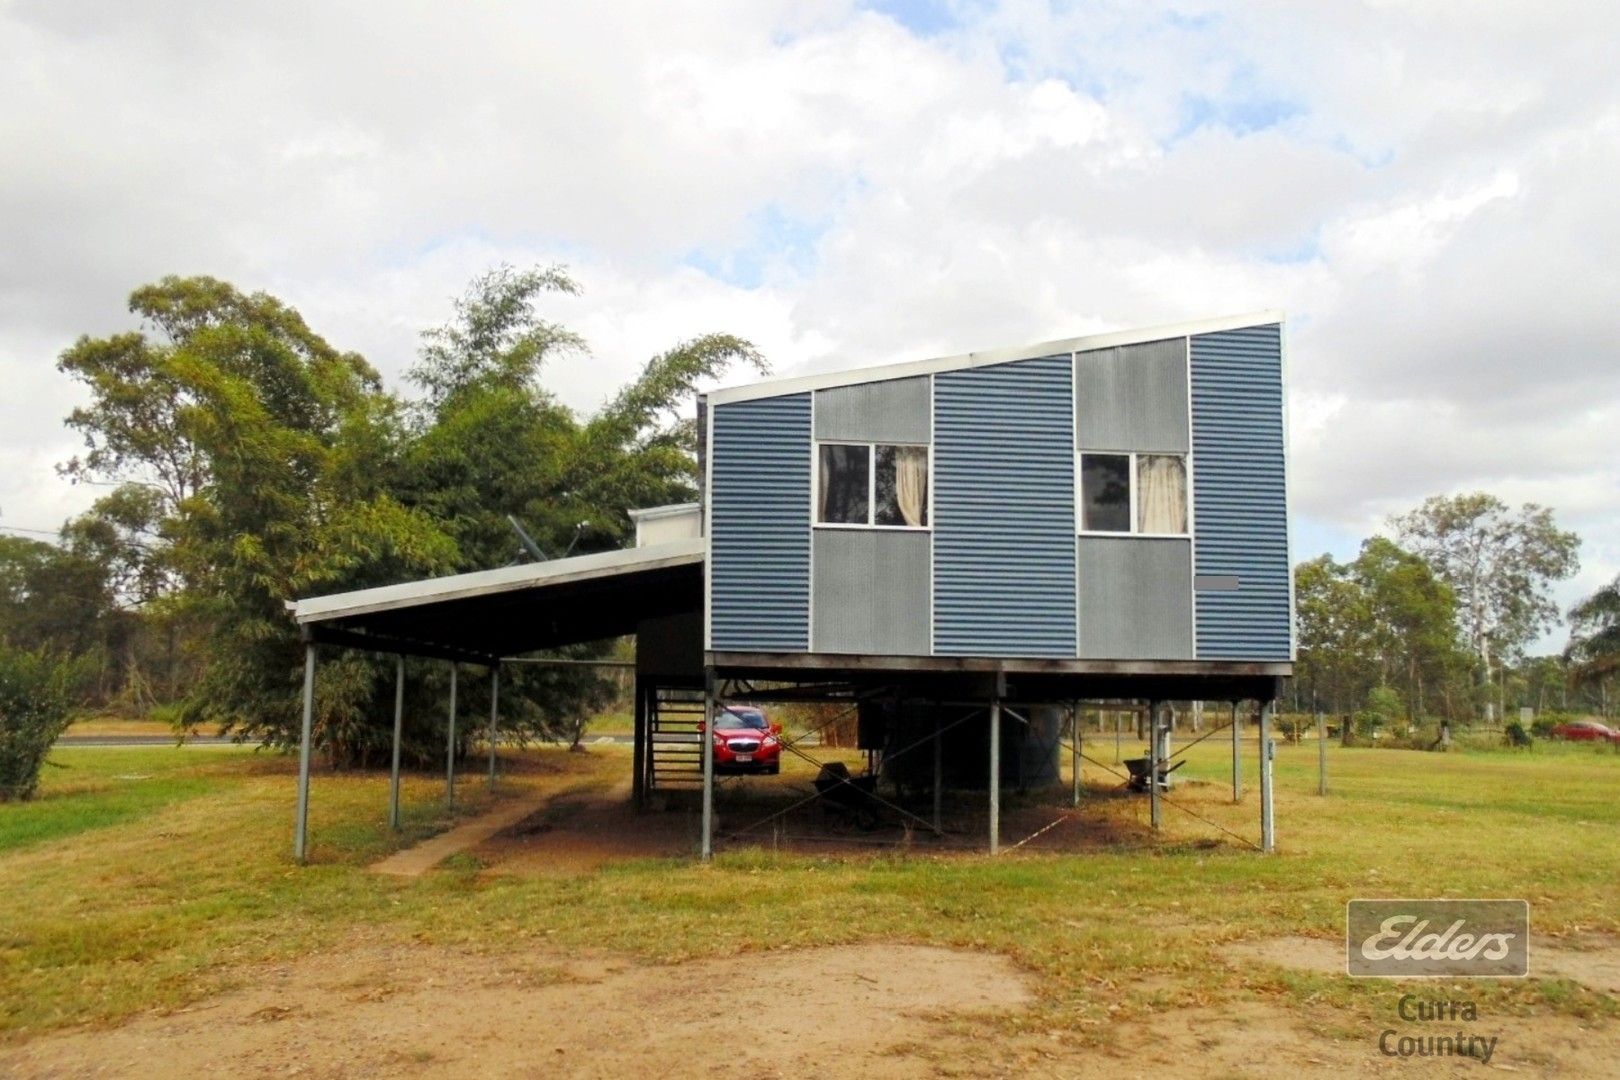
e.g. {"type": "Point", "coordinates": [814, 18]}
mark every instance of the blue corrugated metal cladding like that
{"type": "Point", "coordinates": [1004, 529]}
{"type": "Point", "coordinates": [1240, 494]}
{"type": "Point", "coordinates": [759, 593]}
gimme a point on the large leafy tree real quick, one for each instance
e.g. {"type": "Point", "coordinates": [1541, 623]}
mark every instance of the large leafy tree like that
{"type": "Point", "coordinates": [1594, 643]}
{"type": "Point", "coordinates": [1412, 618]}
{"type": "Point", "coordinates": [1382, 622]}
{"type": "Point", "coordinates": [266, 458]}
{"type": "Point", "coordinates": [493, 442]}
{"type": "Point", "coordinates": [256, 463]}
{"type": "Point", "coordinates": [1336, 631]}
{"type": "Point", "coordinates": [1500, 565]}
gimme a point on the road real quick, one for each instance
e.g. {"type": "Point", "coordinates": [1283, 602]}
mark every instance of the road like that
{"type": "Point", "coordinates": [143, 740]}
{"type": "Point", "coordinates": [216, 740]}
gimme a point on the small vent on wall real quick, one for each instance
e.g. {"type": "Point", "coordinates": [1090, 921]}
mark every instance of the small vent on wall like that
{"type": "Point", "coordinates": [1216, 582]}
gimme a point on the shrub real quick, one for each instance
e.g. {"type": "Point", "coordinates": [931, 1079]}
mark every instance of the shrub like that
{"type": "Point", "coordinates": [1515, 734]}
{"type": "Point", "coordinates": [1544, 722]}
{"type": "Point", "coordinates": [36, 695]}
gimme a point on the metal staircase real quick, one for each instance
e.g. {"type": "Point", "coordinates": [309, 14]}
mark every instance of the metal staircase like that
{"type": "Point", "coordinates": [675, 747]}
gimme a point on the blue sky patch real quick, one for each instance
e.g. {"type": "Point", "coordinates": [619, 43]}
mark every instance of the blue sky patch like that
{"type": "Point", "coordinates": [777, 240]}
{"type": "Point", "coordinates": [924, 18]}
{"type": "Point", "coordinates": [1241, 116]}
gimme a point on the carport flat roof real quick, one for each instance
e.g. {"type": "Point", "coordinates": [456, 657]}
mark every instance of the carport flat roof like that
{"type": "Point", "coordinates": [483, 616]}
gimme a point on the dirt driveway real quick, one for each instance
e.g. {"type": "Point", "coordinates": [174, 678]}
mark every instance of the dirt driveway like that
{"type": "Point", "coordinates": [873, 1010]}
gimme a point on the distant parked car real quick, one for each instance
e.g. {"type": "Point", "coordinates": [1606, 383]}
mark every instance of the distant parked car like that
{"type": "Point", "coordinates": [1585, 731]}
{"type": "Point", "coordinates": [744, 741]}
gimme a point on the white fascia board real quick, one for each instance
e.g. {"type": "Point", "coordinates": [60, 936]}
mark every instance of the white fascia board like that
{"type": "Point", "coordinates": [652, 513]}
{"type": "Point", "coordinates": [504, 579]}
{"type": "Point", "coordinates": [779, 387]}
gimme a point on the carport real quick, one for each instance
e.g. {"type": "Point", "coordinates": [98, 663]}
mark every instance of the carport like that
{"type": "Point", "coordinates": [656, 592]}
{"type": "Point", "coordinates": [496, 616]}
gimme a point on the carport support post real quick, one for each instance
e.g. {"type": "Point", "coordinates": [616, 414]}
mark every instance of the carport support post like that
{"type": "Point", "coordinates": [1153, 763]}
{"type": "Point", "coordinates": [706, 748]}
{"type": "Point", "coordinates": [494, 715]}
{"type": "Point", "coordinates": [1237, 756]}
{"type": "Point", "coordinates": [638, 750]}
{"type": "Point", "coordinates": [399, 723]}
{"type": "Point", "coordinates": [995, 775]}
{"type": "Point", "coordinates": [939, 774]}
{"type": "Point", "coordinates": [1267, 836]}
{"type": "Point", "coordinates": [1074, 751]}
{"type": "Point", "coordinates": [301, 825]}
{"type": "Point", "coordinates": [450, 745]}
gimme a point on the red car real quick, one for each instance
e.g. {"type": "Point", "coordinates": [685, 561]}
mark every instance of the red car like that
{"type": "Point", "coordinates": [745, 742]}
{"type": "Point", "coordinates": [1585, 731]}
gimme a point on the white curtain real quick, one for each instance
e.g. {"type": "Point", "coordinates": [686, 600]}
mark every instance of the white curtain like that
{"type": "Point", "coordinates": [911, 483]}
{"type": "Point", "coordinates": [1161, 494]}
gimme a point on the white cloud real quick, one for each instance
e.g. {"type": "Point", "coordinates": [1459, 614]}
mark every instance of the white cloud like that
{"type": "Point", "coordinates": [1426, 188]}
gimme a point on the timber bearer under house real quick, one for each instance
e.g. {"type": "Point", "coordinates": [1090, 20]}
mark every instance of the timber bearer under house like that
{"type": "Point", "coordinates": [960, 549]}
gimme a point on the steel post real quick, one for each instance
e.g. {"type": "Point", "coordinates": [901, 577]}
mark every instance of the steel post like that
{"type": "Point", "coordinates": [450, 745]}
{"type": "Point", "coordinates": [301, 824]}
{"type": "Point", "coordinates": [639, 747]}
{"type": "Point", "coordinates": [1153, 764]}
{"type": "Point", "coordinates": [995, 776]}
{"type": "Point", "coordinates": [1074, 755]}
{"type": "Point", "coordinates": [1267, 752]}
{"type": "Point", "coordinates": [706, 749]}
{"type": "Point", "coordinates": [939, 775]}
{"type": "Point", "coordinates": [1237, 755]}
{"type": "Point", "coordinates": [399, 725]}
{"type": "Point", "coordinates": [494, 715]}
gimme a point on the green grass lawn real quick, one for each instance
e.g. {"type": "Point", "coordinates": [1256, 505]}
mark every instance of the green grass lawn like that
{"type": "Point", "coordinates": [147, 877]}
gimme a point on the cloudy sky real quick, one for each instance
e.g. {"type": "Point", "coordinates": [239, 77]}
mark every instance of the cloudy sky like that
{"type": "Point", "coordinates": [1431, 190]}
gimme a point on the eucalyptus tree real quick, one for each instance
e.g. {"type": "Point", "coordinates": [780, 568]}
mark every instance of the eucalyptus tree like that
{"type": "Point", "coordinates": [1500, 564]}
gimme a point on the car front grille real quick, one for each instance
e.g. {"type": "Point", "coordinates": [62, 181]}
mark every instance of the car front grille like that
{"type": "Point", "coordinates": [744, 746]}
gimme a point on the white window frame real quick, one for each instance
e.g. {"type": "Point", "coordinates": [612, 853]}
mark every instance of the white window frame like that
{"type": "Point", "coordinates": [1080, 493]}
{"type": "Point", "coordinates": [871, 486]}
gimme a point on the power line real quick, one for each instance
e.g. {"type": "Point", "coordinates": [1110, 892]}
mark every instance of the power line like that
{"type": "Point", "coordinates": [22, 529]}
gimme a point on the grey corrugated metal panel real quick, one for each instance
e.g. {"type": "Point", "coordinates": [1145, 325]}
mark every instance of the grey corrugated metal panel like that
{"type": "Point", "coordinates": [759, 544]}
{"type": "Point", "coordinates": [871, 591]}
{"type": "Point", "coordinates": [894, 411]}
{"type": "Point", "coordinates": [1240, 493]}
{"type": "Point", "coordinates": [1135, 598]}
{"type": "Point", "coordinates": [1133, 397]}
{"type": "Point", "coordinates": [1004, 510]}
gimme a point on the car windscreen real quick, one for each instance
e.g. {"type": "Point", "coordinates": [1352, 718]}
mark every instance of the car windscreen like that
{"type": "Point", "coordinates": [741, 719]}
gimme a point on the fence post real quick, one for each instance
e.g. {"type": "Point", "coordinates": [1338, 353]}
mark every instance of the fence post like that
{"type": "Point", "coordinates": [1321, 755]}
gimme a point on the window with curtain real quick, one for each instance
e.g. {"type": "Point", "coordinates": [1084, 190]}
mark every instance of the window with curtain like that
{"type": "Point", "coordinates": [901, 486]}
{"type": "Point", "coordinates": [873, 484]}
{"type": "Point", "coordinates": [1133, 493]}
{"type": "Point", "coordinates": [845, 484]}
{"type": "Point", "coordinates": [1161, 493]}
